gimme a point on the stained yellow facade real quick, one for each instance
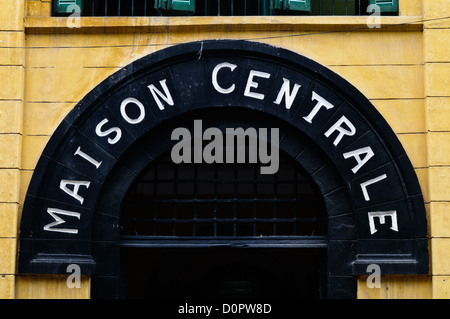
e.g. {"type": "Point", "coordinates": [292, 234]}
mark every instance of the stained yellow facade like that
{"type": "Point", "coordinates": [403, 68]}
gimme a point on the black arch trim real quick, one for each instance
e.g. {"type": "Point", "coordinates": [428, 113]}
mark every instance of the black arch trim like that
{"type": "Point", "coordinates": [187, 70]}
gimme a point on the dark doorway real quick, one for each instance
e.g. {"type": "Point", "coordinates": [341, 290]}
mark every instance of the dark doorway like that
{"type": "Point", "coordinates": [224, 273]}
{"type": "Point", "coordinates": [223, 231]}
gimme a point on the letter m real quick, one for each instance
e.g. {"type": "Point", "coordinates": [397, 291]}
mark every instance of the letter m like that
{"type": "Point", "coordinates": [54, 212]}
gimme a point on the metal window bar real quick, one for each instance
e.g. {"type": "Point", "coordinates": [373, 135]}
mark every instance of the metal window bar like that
{"type": "Point", "coordinates": [220, 7]}
{"type": "Point", "coordinates": [163, 203]}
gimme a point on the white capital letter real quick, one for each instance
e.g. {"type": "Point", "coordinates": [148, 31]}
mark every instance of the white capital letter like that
{"type": "Point", "coordinates": [87, 157]}
{"type": "Point", "coordinates": [99, 132]}
{"type": "Point", "coordinates": [370, 182]}
{"type": "Point", "coordinates": [214, 77]}
{"type": "Point", "coordinates": [342, 131]}
{"type": "Point", "coordinates": [58, 220]}
{"type": "Point", "coordinates": [252, 84]}
{"type": "Point", "coordinates": [125, 115]}
{"type": "Point", "coordinates": [165, 96]}
{"type": "Point", "coordinates": [356, 154]}
{"type": "Point", "coordinates": [76, 187]}
{"type": "Point", "coordinates": [320, 102]}
{"type": "Point", "coordinates": [381, 216]}
{"type": "Point", "coordinates": [284, 91]}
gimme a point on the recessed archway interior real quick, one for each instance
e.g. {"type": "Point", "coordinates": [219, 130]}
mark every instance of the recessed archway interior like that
{"type": "Point", "coordinates": [189, 229]}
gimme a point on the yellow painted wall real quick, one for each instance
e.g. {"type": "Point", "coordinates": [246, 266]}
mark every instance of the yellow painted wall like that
{"type": "Point", "coordinates": [12, 73]}
{"type": "Point", "coordinates": [436, 37]}
{"type": "Point", "coordinates": [404, 71]}
{"type": "Point", "coordinates": [50, 287]}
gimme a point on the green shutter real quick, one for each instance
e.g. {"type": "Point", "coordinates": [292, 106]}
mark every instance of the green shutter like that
{"type": "Point", "coordinates": [62, 6]}
{"type": "Point", "coordinates": [292, 5]}
{"type": "Point", "coordinates": [386, 5]}
{"type": "Point", "coordinates": [175, 6]}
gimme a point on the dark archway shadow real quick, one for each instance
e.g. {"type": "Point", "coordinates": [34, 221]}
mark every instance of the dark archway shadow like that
{"type": "Point", "coordinates": [224, 273]}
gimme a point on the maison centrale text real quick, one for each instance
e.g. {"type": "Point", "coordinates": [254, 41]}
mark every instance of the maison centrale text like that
{"type": "Point", "coordinates": [222, 82]}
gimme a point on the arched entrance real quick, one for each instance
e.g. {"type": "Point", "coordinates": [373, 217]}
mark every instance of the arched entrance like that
{"type": "Point", "coordinates": [373, 202]}
{"type": "Point", "coordinates": [195, 230]}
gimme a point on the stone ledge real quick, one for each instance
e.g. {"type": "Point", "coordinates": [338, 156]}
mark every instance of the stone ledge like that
{"type": "Point", "coordinates": [254, 23]}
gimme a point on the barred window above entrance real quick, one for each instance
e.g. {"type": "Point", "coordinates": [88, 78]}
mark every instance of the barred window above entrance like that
{"type": "Point", "coordinates": [215, 200]}
{"type": "Point", "coordinates": [223, 7]}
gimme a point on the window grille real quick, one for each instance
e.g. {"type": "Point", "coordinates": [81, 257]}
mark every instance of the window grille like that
{"type": "Point", "coordinates": [221, 7]}
{"type": "Point", "coordinates": [222, 201]}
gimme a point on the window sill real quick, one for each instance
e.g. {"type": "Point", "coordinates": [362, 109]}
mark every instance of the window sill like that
{"type": "Point", "coordinates": [253, 23]}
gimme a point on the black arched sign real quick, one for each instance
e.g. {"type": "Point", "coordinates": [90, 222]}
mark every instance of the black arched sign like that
{"type": "Point", "coordinates": [385, 212]}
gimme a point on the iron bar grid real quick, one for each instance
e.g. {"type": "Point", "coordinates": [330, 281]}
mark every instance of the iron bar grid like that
{"type": "Point", "coordinates": [222, 200]}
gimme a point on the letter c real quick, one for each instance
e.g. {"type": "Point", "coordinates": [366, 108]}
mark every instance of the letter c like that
{"type": "Point", "coordinates": [214, 77]}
